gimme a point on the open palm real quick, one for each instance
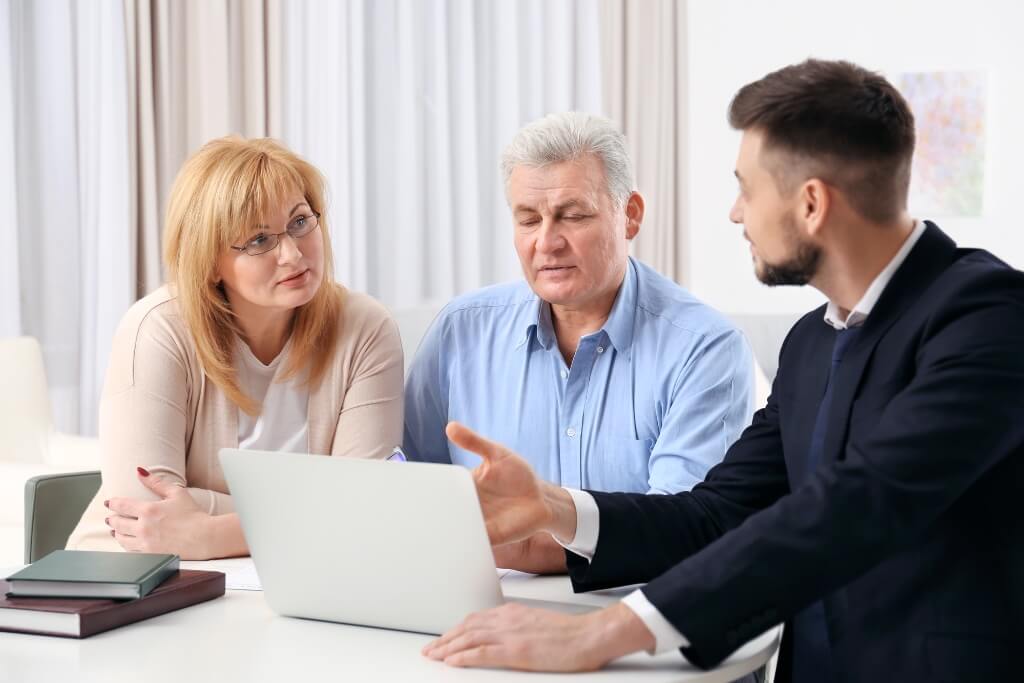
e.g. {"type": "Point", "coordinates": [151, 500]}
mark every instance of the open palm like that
{"type": "Point", "coordinates": [511, 495]}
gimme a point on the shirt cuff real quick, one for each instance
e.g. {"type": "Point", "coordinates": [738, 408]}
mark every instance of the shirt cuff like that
{"type": "Point", "coordinates": [666, 637]}
{"type": "Point", "coordinates": [588, 519]}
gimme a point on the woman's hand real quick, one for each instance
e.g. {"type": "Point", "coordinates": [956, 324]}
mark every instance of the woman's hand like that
{"type": "Point", "coordinates": [174, 524]}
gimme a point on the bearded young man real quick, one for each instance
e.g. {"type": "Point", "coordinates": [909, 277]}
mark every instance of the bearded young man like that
{"type": "Point", "coordinates": [872, 504]}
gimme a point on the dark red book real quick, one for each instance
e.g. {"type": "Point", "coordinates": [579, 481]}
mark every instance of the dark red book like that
{"type": "Point", "coordinates": [81, 618]}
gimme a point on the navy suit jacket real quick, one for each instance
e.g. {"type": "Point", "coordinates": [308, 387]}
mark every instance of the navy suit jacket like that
{"type": "Point", "coordinates": [911, 528]}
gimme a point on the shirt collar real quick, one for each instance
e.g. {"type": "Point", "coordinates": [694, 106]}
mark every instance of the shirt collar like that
{"type": "Point", "coordinates": [542, 325]}
{"type": "Point", "coordinates": [618, 327]}
{"type": "Point", "coordinates": [860, 312]}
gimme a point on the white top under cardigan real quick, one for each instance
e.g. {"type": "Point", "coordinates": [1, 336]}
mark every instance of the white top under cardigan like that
{"type": "Point", "coordinates": [283, 423]}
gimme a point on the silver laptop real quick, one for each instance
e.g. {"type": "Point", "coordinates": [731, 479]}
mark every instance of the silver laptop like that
{"type": "Point", "coordinates": [368, 542]}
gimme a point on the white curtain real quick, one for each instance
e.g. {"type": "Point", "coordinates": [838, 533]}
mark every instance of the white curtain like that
{"type": "Point", "coordinates": [63, 100]}
{"type": "Point", "coordinates": [645, 72]}
{"type": "Point", "coordinates": [101, 102]}
{"type": "Point", "coordinates": [10, 289]}
{"type": "Point", "coordinates": [405, 106]}
{"type": "Point", "coordinates": [197, 69]}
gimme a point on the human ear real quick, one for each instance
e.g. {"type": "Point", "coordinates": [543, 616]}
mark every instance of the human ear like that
{"type": "Point", "coordinates": [634, 214]}
{"type": "Point", "coordinates": [814, 203]}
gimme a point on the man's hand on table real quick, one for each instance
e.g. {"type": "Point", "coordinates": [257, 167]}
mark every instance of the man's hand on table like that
{"type": "Point", "coordinates": [517, 505]}
{"type": "Point", "coordinates": [517, 637]}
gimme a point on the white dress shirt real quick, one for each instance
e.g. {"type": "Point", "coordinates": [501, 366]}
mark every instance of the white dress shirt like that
{"type": "Point", "coordinates": [584, 543]}
{"type": "Point", "coordinates": [874, 291]}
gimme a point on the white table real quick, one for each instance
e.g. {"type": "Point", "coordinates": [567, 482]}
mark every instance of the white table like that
{"type": "Point", "coordinates": [238, 638]}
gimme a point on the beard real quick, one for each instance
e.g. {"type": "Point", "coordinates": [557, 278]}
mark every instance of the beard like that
{"type": "Point", "coordinates": [797, 269]}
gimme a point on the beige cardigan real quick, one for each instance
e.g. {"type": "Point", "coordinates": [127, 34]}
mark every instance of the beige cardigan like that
{"type": "Point", "coordinates": [159, 410]}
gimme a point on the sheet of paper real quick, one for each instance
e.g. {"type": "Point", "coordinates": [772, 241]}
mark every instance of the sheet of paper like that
{"type": "Point", "coordinates": [239, 572]}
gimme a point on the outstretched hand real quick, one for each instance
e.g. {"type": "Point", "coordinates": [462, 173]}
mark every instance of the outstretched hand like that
{"type": "Point", "coordinates": [511, 495]}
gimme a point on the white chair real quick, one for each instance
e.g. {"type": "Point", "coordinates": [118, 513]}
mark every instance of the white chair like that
{"type": "Point", "coordinates": [29, 444]}
{"type": "Point", "coordinates": [762, 387]}
{"type": "Point", "coordinates": [413, 322]}
{"type": "Point", "coordinates": [765, 333]}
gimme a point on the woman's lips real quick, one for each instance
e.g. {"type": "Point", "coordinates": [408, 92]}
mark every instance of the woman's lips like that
{"type": "Point", "coordinates": [296, 280]}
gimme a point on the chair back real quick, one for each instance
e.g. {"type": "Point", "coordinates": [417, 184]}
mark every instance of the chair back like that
{"type": "Point", "coordinates": [25, 417]}
{"type": "Point", "coordinates": [53, 505]}
{"type": "Point", "coordinates": [413, 322]}
{"type": "Point", "coordinates": [765, 332]}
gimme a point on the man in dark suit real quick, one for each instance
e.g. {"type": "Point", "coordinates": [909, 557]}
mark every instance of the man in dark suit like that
{"type": "Point", "coordinates": [872, 504]}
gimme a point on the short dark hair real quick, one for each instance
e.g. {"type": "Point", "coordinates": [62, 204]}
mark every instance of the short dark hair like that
{"type": "Point", "coordinates": [835, 121]}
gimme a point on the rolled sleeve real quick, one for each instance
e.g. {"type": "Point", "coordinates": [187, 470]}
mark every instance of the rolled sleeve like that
{"type": "Point", "coordinates": [712, 402]}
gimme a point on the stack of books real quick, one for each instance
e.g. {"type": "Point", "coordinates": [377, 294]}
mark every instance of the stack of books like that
{"type": "Point", "coordinates": [77, 593]}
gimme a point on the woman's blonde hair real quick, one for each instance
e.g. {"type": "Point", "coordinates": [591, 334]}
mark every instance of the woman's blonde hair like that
{"type": "Point", "coordinates": [226, 189]}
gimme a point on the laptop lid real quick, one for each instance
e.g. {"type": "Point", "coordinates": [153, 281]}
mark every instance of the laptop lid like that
{"type": "Point", "coordinates": [368, 542]}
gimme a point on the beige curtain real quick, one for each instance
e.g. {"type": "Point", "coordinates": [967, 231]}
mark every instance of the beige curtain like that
{"type": "Point", "coordinates": [645, 77]}
{"type": "Point", "coordinates": [197, 69]}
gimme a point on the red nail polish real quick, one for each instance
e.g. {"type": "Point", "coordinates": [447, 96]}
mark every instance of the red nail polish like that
{"type": "Point", "coordinates": [106, 503]}
{"type": "Point", "coordinates": [106, 521]}
{"type": "Point", "coordinates": [143, 471]}
{"type": "Point", "coordinates": [112, 532]}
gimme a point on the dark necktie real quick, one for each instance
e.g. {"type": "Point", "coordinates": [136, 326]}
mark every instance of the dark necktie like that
{"type": "Point", "coordinates": [811, 651]}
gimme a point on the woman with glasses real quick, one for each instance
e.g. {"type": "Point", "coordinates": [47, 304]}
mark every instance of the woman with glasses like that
{"type": "Point", "coordinates": [251, 344]}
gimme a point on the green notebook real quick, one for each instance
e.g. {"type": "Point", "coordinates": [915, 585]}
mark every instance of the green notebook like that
{"type": "Point", "coordinates": [89, 574]}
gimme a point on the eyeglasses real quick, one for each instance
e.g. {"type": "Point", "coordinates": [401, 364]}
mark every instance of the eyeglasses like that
{"type": "Point", "coordinates": [264, 242]}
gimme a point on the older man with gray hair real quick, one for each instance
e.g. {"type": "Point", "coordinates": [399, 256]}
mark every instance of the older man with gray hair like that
{"type": "Point", "coordinates": [601, 372]}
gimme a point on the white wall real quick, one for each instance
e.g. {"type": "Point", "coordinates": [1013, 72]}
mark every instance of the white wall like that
{"type": "Point", "coordinates": [732, 42]}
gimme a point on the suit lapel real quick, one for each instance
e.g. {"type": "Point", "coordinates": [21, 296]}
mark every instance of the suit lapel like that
{"type": "Point", "coordinates": [811, 382]}
{"type": "Point", "coordinates": [929, 258]}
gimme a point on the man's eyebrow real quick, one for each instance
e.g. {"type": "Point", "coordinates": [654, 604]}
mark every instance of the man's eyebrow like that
{"type": "Point", "coordinates": [557, 208]}
{"type": "Point", "coordinates": [572, 203]}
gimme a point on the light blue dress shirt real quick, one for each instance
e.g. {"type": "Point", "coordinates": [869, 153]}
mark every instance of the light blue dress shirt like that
{"type": "Point", "coordinates": [650, 403]}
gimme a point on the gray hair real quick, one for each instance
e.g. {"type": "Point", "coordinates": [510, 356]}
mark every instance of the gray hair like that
{"type": "Point", "coordinates": [568, 136]}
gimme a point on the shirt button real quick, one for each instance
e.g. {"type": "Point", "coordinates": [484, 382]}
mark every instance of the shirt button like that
{"type": "Point", "coordinates": [570, 432]}
{"type": "Point", "coordinates": [564, 374]}
{"type": "Point", "coordinates": [600, 349]}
